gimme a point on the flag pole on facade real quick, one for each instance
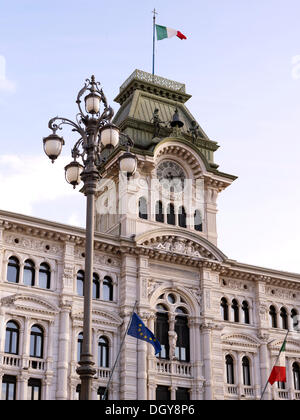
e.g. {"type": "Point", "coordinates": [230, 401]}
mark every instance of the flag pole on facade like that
{"type": "Point", "coordinates": [153, 54]}
{"type": "Point", "coordinates": [276, 373]}
{"type": "Point", "coordinates": [117, 358]}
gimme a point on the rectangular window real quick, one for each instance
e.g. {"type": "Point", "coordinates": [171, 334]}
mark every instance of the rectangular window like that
{"type": "Point", "coordinates": [100, 393]}
{"type": "Point", "coordinates": [163, 393]}
{"type": "Point", "coordinates": [9, 387]}
{"type": "Point", "coordinates": [182, 394]}
{"type": "Point", "coordinates": [34, 389]}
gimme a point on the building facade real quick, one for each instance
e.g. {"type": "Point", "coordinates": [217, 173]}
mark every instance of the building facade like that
{"type": "Point", "coordinates": [220, 323]}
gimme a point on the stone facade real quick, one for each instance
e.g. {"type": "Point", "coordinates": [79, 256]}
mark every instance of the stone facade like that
{"type": "Point", "coordinates": [176, 266]}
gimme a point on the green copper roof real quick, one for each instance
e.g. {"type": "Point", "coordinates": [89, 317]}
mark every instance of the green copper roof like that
{"type": "Point", "coordinates": [143, 93]}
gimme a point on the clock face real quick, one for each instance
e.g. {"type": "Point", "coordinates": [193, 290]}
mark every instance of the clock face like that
{"type": "Point", "coordinates": [171, 176]}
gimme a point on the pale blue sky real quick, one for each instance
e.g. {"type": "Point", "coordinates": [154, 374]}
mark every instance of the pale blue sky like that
{"type": "Point", "coordinates": [239, 63]}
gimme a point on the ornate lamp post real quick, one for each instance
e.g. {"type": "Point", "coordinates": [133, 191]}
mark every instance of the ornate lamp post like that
{"type": "Point", "coordinates": [96, 132]}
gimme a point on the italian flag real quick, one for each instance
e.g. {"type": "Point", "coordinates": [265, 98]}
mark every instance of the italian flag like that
{"type": "Point", "coordinates": [164, 32]}
{"type": "Point", "coordinates": [278, 373]}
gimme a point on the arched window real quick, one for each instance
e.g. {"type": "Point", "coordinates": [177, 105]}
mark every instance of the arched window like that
{"type": "Point", "coordinates": [182, 217]}
{"type": "Point", "coordinates": [246, 371]}
{"type": "Point", "coordinates": [235, 310]}
{"type": "Point", "coordinates": [296, 375]}
{"type": "Point", "coordinates": [96, 286]}
{"type": "Point", "coordinates": [171, 214]}
{"type": "Point", "coordinates": [197, 221]}
{"type": "Point", "coordinates": [229, 369]}
{"type": "Point", "coordinates": [295, 320]}
{"type": "Point", "coordinates": [80, 283]}
{"type": "Point", "coordinates": [273, 316]}
{"type": "Point", "coordinates": [103, 352]}
{"type": "Point", "coordinates": [224, 309]}
{"type": "Point", "coordinates": [162, 332]}
{"type": "Point", "coordinates": [79, 345]}
{"type": "Point", "coordinates": [13, 270]}
{"type": "Point", "coordinates": [44, 276]}
{"type": "Point", "coordinates": [29, 273]}
{"type": "Point", "coordinates": [284, 319]}
{"type": "Point", "coordinates": [12, 338]}
{"type": "Point", "coordinates": [107, 289]}
{"type": "Point", "coordinates": [182, 351]}
{"type": "Point", "coordinates": [36, 341]}
{"type": "Point", "coordinates": [159, 212]}
{"type": "Point", "coordinates": [245, 309]}
{"type": "Point", "coordinates": [143, 213]}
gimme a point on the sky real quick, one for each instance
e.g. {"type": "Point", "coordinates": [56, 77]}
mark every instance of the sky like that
{"type": "Point", "coordinates": [241, 63]}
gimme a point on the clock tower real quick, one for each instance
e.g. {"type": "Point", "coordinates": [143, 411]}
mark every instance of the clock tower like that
{"type": "Point", "coordinates": [177, 182]}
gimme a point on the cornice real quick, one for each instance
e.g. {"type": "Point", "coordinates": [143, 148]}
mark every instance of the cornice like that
{"type": "Point", "coordinates": [262, 275]}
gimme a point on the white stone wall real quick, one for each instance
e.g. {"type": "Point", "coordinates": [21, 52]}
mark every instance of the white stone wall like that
{"type": "Point", "coordinates": [142, 271]}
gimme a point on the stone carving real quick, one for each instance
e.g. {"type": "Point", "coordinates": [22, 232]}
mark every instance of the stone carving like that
{"type": "Point", "coordinates": [152, 286]}
{"type": "Point", "coordinates": [156, 121]}
{"type": "Point", "coordinates": [194, 130]}
{"type": "Point", "coordinates": [281, 293]}
{"type": "Point", "coordinates": [182, 246]}
{"type": "Point", "coordinates": [34, 244]}
{"type": "Point", "coordinates": [172, 344]}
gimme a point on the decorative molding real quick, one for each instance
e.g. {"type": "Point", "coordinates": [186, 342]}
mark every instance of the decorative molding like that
{"type": "Point", "coordinates": [240, 340]}
{"type": "Point", "coordinates": [30, 303]}
{"type": "Point", "coordinates": [177, 245]}
{"type": "Point", "coordinates": [100, 317]}
{"type": "Point", "coordinates": [281, 293]}
{"type": "Point", "coordinates": [33, 244]}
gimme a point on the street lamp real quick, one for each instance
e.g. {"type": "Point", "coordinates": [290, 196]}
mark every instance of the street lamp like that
{"type": "Point", "coordinates": [96, 132]}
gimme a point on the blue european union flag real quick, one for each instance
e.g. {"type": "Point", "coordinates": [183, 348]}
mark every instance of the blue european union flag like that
{"type": "Point", "coordinates": [138, 330]}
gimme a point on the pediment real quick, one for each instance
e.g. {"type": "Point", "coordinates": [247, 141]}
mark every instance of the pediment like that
{"type": "Point", "coordinates": [240, 340]}
{"type": "Point", "coordinates": [174, 241]}
{"type": "Point", "coordinates": [292, 345]}
{"type": "Point", "coordinates": [30, 303]}
{"type": "Point", "coordinates": [101, 317]}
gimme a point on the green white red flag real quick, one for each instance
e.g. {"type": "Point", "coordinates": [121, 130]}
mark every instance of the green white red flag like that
{"type": "Point", "coordinates": [163, 32]}
{"type": "Point", "coordinates": [278, 373]}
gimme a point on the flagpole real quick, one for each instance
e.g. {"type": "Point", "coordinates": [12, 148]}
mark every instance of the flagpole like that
{"type": "Point", "coordinates": [153, 53]}
{"type": "Point", "coordinates": [115, 364]}
{"type": "Point", "coordinates": [273, 367]}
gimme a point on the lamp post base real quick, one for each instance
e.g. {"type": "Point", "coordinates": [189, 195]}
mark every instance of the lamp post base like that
{"type": "Point", "coordinates": [86, 371]}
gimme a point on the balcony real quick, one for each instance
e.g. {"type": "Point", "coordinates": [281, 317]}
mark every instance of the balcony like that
{"type": "Point", "coordinates": [174, 368]}
{"type": "Point", "coordinates": [11, 360]}
{"type": "Point", "coordinates": [26, 363]}
{"type": "Point", "coordinates": [239, 392]}
{"type": "Point", "coordinates": [282, 395]}
{"type": "Point", "coordinates": [103, 373]}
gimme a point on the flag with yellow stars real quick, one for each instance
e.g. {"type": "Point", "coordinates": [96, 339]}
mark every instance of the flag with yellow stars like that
{"type": "Point", "coordinates": [138, 330]}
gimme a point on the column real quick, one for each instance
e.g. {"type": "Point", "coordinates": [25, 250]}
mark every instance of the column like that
{"type": "Point", "coordinates": [1, 376]}
{"type": "Point", "coordinates": [25, 344]}
{"type": "Point", "coordinates": [239, 373]}
{"type": "Point", "coordinates": [128, 357]}
{"type": "Point", "coordinates": [195, 346]}
{"type": "Point", "coordinates": [265, 366]}
{"type": "Point", "coordinates": [63, 352]}
{"type": "Point", "coordinates": [22, 386]}
{"type": "Point", "coordinates": [207, 362]}
{"type": "Point", "coordinates": [173, 392]}
{"type": "Point", "coordinates": [141, 370]}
